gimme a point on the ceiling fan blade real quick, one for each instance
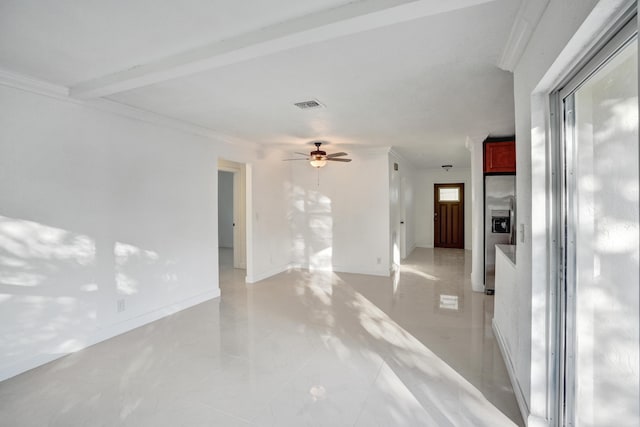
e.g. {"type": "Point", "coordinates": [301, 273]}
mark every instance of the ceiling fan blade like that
{"type": "Point", "coordinates": [285, 160]}
{"type": "Point", "coordinates": [338, 160]}
{"type": "Point", "coordinates": [302, 154]}
{"type": "Point", "coordinates": [340, 154]}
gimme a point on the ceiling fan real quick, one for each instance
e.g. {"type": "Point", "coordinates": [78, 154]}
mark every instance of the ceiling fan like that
{"type": "Point", "coordinates": [319, 158]}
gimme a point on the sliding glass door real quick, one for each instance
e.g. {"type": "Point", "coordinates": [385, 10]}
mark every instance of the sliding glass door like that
{"type": "Point", "coordinates": [600, 239]}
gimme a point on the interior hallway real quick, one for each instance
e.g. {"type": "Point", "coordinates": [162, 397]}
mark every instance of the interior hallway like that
{"type": "Point", "coordinates": [296, 349]}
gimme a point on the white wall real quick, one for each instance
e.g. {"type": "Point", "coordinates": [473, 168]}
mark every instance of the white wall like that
{"type": "Point", "coordinates": [424, 209]}
{"type": "Point", "coordinates": [477, 214]}
{"type": "Point", "coordinates": [409, 191]}
{"type": "Point", "coordinates": [225, 209]}
{"type": "Point", "coordinates": [395, 211]}
{"type": "Point", "coordinates": [341, 222]}
{"type": "Point", "coordinates": [98, 207]}
{"type": "Point", "coordinates": [268, 216]}
{"type": "Point", "coordinates": [505, 316]}
{"type": "Point", "coordinates": [505, 300]}
{"type": "Point", "coordinates": [401, 206]}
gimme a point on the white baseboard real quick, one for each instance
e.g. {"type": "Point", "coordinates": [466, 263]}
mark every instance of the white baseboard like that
{"type": "Point", "coordinates": [110, 331]}
{"type": "Point", "coordinates": [28, 364]}
{"type": "Point", "coordinates": [380, 271]}
{"type": "Point", "coordinates": [374, 271]}
{"type": "Point", "coordinates": [477, 286]}
{"type": "Point", "coordinates": [508, 361]}
{"type": "Point", "coordinates": [256, 277]}
{"type": "Point", "coordinates": [430, 246]}
{"type": "Point", "coordinates": [336, 268]}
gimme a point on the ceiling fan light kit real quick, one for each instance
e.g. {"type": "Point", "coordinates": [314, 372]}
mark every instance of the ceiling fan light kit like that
{"type": "Point", "coordinates": [318, 162]}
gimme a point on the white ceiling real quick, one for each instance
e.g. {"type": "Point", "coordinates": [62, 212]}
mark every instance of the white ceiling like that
{"type": "Point", "coordinates": [420, 76]}
{"type": "Point", "coordinates": [69, 41]}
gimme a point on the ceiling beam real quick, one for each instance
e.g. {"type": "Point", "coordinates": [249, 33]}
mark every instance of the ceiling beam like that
{"type": "Point", "coordinates": [352, 18]}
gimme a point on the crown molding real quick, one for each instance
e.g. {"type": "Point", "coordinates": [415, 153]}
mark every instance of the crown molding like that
{"type": "Point", "coordinates": [142, 115]}
{"type": "Point", "coordinates": [371, 150]}
{"type": "Point", "coordinates": [525, 23]}
{"type": "Point", "coordinates": [30, 84]}
{"type": "Point", "coordinates": [394, 152]}
{"type": "Point", "coordinates": [473, 140]}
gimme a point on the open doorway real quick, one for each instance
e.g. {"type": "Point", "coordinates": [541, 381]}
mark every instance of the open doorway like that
{"type": "Point", "coordinates": [226, 223]}
{"type": "Point", "coordinates": [232, 234]}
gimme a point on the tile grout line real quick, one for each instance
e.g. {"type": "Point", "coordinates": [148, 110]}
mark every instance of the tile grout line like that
{"type": "Point", "coordinates": [382, 362]}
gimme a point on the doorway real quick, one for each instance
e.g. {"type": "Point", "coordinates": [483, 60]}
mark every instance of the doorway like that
{"type": "Point", "coordinates": [226, 222]}
{"type": "Point", "coordinates": [232, 232]}
{"type": "Point", "coordinates": [448, 216]}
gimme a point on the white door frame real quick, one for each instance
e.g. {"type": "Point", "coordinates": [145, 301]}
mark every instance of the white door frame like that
{"type": "Point", "coordinates": [403, 217]}
{"type": "Point", "coordinates": [239, 210]}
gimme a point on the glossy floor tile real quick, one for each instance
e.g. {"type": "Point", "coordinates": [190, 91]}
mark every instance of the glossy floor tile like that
{"type": "Point", "coordinates": [297, 349]}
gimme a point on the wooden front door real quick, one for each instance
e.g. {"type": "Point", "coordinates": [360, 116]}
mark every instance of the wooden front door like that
{"type": "Point", "coordinates": [448, 220]}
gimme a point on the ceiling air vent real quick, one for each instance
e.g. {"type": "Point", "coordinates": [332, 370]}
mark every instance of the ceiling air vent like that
{"type": "Point", "coordinates": [306, 105]}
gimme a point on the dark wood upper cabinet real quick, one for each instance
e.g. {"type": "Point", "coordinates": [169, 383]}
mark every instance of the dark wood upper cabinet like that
{"type": "Point", "coordinates": [500, 156]}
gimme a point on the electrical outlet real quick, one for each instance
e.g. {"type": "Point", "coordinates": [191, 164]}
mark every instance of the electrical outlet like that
{"type": "Point", "coordinates": [121, 306]}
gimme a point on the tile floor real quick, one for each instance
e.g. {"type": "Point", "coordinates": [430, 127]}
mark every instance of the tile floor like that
{"type": "Point", "coordinates": [297, 349]}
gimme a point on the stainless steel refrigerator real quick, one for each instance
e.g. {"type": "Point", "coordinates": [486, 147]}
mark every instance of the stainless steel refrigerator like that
{"type": "Point", "coordinates": [499, 220]}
